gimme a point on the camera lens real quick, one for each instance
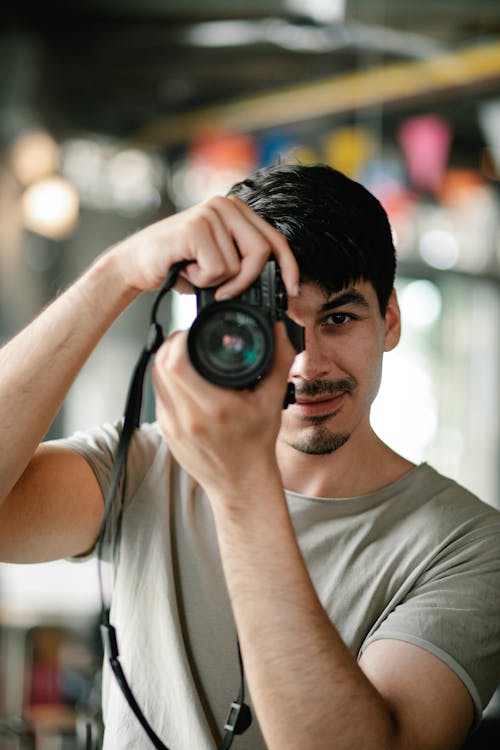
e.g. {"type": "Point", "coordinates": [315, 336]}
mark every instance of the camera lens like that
{"type": "Point", "coordinates": [231, 344]}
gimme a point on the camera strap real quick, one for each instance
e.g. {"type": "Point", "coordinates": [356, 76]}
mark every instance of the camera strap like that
{"type": "Point", "coordinates": [239, 717]}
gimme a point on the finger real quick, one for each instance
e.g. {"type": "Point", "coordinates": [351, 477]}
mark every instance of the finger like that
{"type": "Point", "coordinates": [255, 240]}
{"type": "Point", "coordinates": [162, 360]}
{"type": "Point", "coordinates": [223, 237]}
{"type": "Point", "coordinates": [278, 243]}
{"type": "Point", "coordinates": [199, 236]}
{"type": "Point", "coordinates": [242, 246]}
{"type": "Point", "coordinates": [184, 398]}
{"type": "Point", "coordinates": [166, 405]}
{"type": "Point", "coordinates": [173, 369]}
{"type": "Point", "coordinates": [285, 353]}
{"type": "Point", "coordinates": [212, 263]}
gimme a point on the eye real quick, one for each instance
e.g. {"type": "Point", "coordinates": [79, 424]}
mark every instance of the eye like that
{"type": "Point", "coordinates": [337, 319]}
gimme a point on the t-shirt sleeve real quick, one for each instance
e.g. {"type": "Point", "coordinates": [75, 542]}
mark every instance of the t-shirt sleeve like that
{"type": "Point", "coordinates": [98, 446]}
{"type": "Point", "coordinates": [453, 611]}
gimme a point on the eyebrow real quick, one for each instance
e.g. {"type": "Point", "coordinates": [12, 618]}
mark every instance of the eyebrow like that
{"type": "Point", "coordinates": [347, 297]}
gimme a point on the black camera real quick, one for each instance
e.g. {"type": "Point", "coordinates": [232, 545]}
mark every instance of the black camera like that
{"type": "Point", "coordinates": [231, 343]}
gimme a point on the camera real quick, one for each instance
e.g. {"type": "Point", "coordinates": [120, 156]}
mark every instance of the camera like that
{"type": "Point", "coordinates": [231, 343]}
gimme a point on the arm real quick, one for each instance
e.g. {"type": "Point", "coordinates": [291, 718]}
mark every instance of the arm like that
{"type": "Point", "coordinates": [306, 687]}
{"type": "Point", "coordinates": [225, 242]}
{"type": "Point", "coordinates": [51, 504]}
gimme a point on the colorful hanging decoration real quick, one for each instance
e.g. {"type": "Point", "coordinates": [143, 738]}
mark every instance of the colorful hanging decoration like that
{"type": "Point", "coordinates": [349, 149]}
{"type": "Point", "coordinates": [425, 142]}
{"type": "Point", "coordinates": [223, 150]}
{"type": "Point", "coordinates": [212, 164]}
{"type": "Point", "coordinates": [276, 147]}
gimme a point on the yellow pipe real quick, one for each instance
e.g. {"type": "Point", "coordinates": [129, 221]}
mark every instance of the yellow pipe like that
{"type": "Point", "coordinates": [333, 95]}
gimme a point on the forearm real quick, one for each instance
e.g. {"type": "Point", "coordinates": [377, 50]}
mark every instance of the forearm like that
{"type": "Point", "coordinates": [306, 687]}
{"type": "Point", "coordinates": [39, 365]}
{"type": "Point", "coordinates": [222, 240]}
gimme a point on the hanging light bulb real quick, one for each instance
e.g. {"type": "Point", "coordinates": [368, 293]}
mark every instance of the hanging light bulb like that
{"type": "Point", "coordinates": [50, 207]}
{"type": "Point", "coordinates": [33, 155]}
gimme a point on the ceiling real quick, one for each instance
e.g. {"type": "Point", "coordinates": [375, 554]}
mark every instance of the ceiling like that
{"type": "Point", "coordinates": [150, 68]}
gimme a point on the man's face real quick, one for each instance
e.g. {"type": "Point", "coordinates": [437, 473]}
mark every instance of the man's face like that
{"type": "Point", "coordinates": [338, 374]}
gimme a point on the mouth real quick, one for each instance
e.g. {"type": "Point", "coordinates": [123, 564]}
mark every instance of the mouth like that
{"type": "Point", "coordinates": [321, 406]}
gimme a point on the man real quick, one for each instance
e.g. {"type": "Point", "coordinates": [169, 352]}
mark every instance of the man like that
{"type": "Point", "coordinates": [364, 590]}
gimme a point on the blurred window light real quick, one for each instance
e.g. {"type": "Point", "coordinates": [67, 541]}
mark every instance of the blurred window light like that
{"type": "Point", "coordinates": [83, 162]}
{"type": "Point", "coordinates": [132, 181]}
{"type": "Point", "coordinates": [183, 311]}
{"type": "Point", "coordinates": [421, 303]}
{"type": "Point", "coordinates": [192, 183]}
{"type": "Point", "coordinates": [449, 449]}
{"type": "Point", "coordinates": [307, 38]}
{"type": "Point", "coordinates": [50, 207]}
{"type": "Point", "coordinates": [109, 177]}
{"type": "Point", "coordinates": [33, 155]}
{"type": "Point", "coordinates": [44, 590]}
{"type": "Point", "coordinates": [225, 33]}
{"type": "Point", "coordinates": [405, 412]}
{"type": "Point", "coordinates": [324, 11]}
{"type": "Point", "coordinates": [439, 248]}
{"type": "Point", "coordinates": [489, 120]}
{"type": "Point", "coordinates": [275, 31]}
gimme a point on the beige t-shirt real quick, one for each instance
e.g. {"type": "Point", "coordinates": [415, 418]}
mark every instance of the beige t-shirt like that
{"type": "Point", "coordinates": [417, 561]}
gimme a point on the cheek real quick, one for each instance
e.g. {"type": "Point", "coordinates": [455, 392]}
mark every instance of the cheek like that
{"type": "Point", "coordinates": [366, 362]}
{"type": "Point", "coordinates": [357, 353]}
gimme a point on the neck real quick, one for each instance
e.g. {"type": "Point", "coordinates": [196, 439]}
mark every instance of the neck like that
{"type": "Point", "coordinates": [364, 464]}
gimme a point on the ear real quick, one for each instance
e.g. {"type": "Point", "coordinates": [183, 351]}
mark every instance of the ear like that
{"type": "Point", "coordinates": [392, 320]}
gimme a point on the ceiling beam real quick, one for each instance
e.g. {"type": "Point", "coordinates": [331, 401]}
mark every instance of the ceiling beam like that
{"type": "Point", "coordinates": [394, 82]}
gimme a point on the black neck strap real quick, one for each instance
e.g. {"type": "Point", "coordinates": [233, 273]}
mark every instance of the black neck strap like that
{"type": "Point", "coordinates": [239, 717]}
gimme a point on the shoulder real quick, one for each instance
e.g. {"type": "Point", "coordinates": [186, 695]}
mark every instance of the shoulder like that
{"type": "Point", "coordinates": [104, 438]}
{"type": "Point", "coordinates": [448, 502]}
{"type": "Point", "coordinates": [445, 521]}
{"type": "Point", "coordinates": [99, 443]}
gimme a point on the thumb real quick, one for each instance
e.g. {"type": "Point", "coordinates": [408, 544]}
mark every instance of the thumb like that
{"type": "Point", "coordinates": [285, 353]}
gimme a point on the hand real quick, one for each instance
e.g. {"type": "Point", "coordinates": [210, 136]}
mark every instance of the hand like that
{"type": "Point", "coordinates": [222, 437]}
{"type": "Point", "coordinates": [225, 240]}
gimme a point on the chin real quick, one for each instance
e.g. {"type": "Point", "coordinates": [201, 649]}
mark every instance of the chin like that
{"type": "Point", "coordinates": [316, 442]}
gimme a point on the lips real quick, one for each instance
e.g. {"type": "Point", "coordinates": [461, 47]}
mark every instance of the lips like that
{"type": "Point", "coordinates": [319, 406]}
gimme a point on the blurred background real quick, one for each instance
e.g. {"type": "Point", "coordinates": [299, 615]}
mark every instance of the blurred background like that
{"type": "Point", "coordinates": [116, 113]}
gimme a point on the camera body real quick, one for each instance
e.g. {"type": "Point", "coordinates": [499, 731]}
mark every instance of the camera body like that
{"type": "Point", "coordinates": [231, 343]}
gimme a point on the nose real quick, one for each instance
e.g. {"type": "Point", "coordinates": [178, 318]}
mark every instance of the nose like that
{"type": "Point", "coordinates": [311, 363]}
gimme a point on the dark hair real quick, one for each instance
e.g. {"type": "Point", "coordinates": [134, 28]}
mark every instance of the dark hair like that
{"type": "Point", "coordinates": [336, 228]}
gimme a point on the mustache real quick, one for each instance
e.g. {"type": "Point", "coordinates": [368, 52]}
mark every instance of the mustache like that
{"type": "Point", "coordinates": [325, 387]}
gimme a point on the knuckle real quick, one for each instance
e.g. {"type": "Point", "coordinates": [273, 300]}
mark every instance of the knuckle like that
{"type": "Point", "coordinates": [218, 269]}
{"type": "Point", "coordinates": [200, 222]}
{"type": "Point", "coordinates": [169, 355]}
{"type": "Point", "coordinates": [208, 213]}
{"type": "Point", "coordinates": [233, 263]}
{"type": "Point", "coordinates": [238, 202]}
{"type": "Point", "coordinates": [215, 203]}
{"type": "Point", "coordinates": [219, 413]}
{"type": "Point", "coordinates": [195, 427]}
{"type": "Point", "coordinates": [261, 246]}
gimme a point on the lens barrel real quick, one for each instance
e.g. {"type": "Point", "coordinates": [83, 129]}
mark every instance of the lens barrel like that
{"type": "Point", "coordinates": [231, 343]}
